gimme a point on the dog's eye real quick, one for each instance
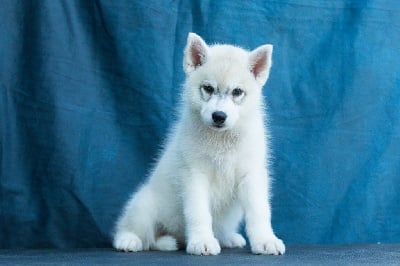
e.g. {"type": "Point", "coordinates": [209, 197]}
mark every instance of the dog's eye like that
{"type": "Point", "coordinates": [209, 89]}
{"type": "Point", "coordinates": [237, 92]}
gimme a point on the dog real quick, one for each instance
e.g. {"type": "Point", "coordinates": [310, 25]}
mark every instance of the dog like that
{"type": "Point", "coordinates": [213, 170]}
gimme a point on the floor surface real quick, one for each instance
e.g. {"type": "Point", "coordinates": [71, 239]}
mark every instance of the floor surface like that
{"type": "Point", "coordinates": [371, 254]}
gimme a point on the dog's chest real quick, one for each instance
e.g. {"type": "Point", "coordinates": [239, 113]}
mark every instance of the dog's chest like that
{"type": "Point", "coordinates": [220, 159]}
{"type": "Point", "coordinates": [223, 180]}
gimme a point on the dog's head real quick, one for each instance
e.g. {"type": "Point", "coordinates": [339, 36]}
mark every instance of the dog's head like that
{"type": "Point", "coordinates": [224, 82]}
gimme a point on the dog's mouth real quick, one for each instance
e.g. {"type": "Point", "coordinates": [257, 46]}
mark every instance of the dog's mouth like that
{"type": "Point", "coordinates": [218, 127]}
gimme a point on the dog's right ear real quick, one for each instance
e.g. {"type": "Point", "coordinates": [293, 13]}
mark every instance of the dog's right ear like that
{"type": "Point", "coordinates": [195, 53]}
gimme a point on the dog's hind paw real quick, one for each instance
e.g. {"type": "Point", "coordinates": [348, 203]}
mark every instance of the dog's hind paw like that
{"type": "Point", "coordinates": [127, 242]}
{"type": "Point", "coordinates": [166, 243]}
{"type": "Point", "coordinates": [233, 240]}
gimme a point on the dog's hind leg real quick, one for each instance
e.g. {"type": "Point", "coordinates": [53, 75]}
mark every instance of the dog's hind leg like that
{"type": "Point", "coordinates": [135, 229]}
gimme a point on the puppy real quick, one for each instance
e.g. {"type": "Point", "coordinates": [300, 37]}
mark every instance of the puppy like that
{"type": "Point", "coordinates": [214, 168]}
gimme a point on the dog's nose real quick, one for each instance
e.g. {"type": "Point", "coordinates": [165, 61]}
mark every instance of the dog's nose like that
{"type": "Point", "coordinates": [219, 117]}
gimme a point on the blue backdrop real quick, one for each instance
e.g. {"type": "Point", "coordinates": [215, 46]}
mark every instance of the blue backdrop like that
{"type": "Point", "coordinates": [88, 90]}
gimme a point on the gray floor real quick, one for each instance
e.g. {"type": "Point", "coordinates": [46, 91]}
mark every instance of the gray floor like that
{"type": "Point", "coordinates": [373, 254]}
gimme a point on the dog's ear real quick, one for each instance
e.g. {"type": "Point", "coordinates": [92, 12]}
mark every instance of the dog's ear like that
{"type": "Point", "coordinates": [195, 53]}
{"type": "Point", "coordinates": [260, 61]}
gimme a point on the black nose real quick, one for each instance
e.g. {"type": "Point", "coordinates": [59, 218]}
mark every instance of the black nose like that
{"type": "Point", "coordinates": [219, 117]}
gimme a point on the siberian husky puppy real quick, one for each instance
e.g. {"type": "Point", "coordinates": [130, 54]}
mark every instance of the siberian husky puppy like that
{"type": "Point", "coordinates": [214, 168]}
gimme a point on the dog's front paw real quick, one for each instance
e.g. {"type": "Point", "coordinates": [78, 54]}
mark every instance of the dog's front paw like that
{"type": "Point", "coordinates": [233, 240]}
{"type": "Point", "coordinates": [272, 246]}
{"type": "Point", "coordinates": [209, 246]}
{"type": "Point", "coordinates": [127, 242]}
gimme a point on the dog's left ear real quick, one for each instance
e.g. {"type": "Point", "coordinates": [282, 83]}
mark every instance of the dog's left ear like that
{"type": "Point", "coordinates": [195, 53]}
{"type": "Point", "coordinates": [260, 61]}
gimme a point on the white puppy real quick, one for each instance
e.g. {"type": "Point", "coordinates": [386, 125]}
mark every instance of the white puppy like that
{"type": "Point", "coordinates": [214, 167]}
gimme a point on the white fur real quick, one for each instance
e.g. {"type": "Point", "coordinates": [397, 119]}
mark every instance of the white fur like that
{"type": "Point", "coordinates": [208, 176]}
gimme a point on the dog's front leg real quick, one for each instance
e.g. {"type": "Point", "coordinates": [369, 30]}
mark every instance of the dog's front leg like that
{"type": "Point", "coordinates": [196, 203]}
{"type": "Point", "coordinates": [253, 193]}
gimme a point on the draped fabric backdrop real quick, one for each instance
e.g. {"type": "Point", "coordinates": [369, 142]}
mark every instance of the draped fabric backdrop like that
{"type": "Point", "coordinates": [88, 90]}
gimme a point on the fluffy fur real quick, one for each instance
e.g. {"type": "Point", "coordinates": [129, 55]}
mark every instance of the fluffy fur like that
{"type": "Point", "coordinates": [213, 170]}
